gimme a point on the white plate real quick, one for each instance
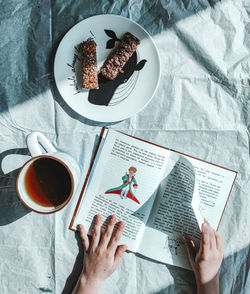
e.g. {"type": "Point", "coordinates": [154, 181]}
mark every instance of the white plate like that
{"type": "Point", "coordinates": [132, 95]}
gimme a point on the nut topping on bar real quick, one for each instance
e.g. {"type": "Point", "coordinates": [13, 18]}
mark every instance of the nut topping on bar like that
{"type": "Point", "coordinates": [89, 64]}
{"type": "Point", "coordinates": [114, 64]}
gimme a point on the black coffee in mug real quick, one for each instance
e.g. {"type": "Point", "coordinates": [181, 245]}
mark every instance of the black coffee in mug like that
{"type": "Point", "coordinates": [48, 182]}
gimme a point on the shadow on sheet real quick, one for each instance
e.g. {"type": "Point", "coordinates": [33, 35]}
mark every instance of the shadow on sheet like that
{"type": "Point", "coordinates": [31, 67]}
{"type": "Point", "coordinates": [11, 208]}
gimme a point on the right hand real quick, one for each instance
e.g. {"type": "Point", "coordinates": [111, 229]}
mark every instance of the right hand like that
{"type": "Point", "coordinates": [102, 254]}
{"type": "Point", "coordinates": [207, 260]}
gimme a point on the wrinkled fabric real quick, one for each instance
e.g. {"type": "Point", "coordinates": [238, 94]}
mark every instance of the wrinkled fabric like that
{"type": "Point", "coordinates": [201, 107]}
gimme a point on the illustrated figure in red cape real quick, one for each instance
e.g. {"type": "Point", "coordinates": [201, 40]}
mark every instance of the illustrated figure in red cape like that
{"type": "Point", "coordinates": [125, 190]}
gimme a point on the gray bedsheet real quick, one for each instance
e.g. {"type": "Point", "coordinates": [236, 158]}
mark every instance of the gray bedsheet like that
{"type": "Point", "coordinates": [201, 108]}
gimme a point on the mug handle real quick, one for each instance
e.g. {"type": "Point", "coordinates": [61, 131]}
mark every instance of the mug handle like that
{"type": "Point", "coordinates": [33, 140]}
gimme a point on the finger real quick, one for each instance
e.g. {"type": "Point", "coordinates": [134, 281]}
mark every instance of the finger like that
{"type": "Point", "coordinates": [190, 248]}
{"type": "Point", "coordinates": [117, 233]}
{"type": "Point", "coordinates": [84, 237]}
{"type": "Point", "coordinates": [108, 233]}
{"type": "Point", "coordinates": [97, 232]}
{"type": "Point", "coordinates": [205, 239]}
{"type": "Point", "coordinates": [212, 238]}
{"type": "Point", "coordinates": [119, 254]}
{"type": "Point", "coordinates": [219, 242]}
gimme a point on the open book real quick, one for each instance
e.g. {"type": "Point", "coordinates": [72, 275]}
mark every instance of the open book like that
{"type": "Point", "coordinates": [159, 193]}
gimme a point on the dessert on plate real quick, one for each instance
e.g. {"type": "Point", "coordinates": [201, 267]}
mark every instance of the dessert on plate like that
{"type": "Point", "coordinates": [89, 64]}
{"type": "Point", "coordinates": [116, 61]}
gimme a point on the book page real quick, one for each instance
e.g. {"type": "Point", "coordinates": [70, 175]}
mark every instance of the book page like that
{"type": "Point", "coordinates": [214, 184]}
{"type": "Point", "coordinates": [210, 193]}
{"type": "Point", "coordinates": [176, 210]}
{"type": "Point", "coordinates": [125, 176]}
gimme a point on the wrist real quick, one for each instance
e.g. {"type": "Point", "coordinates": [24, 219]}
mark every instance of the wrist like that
{"type": "Point", "coordinates": [210, 287]}
{"type": "Point", "coordinates": [88, 284]}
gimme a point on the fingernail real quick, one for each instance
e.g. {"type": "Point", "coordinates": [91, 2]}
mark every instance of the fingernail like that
{"type": "Point", "coordinates": [121, 225]}
{"type": "Point", "coordinates": [206, 222]}
{"type": "Point", "coordinates": [205, 227]}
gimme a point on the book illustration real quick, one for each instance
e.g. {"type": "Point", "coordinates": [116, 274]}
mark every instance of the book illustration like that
{"type": "Point", "coordinates": [110, 92]}
{"type": "Point", "coordinates": [173, 244]}
{"type": "Point", "coordinates": [128, 188]}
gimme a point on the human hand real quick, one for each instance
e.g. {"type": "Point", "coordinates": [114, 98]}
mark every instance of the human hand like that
{"type": "Point", "coordinates": [102, 255]}
{"type": "Point", "coordinates": [207, 260]}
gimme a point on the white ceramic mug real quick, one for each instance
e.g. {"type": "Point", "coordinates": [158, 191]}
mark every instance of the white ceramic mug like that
{"type": "Point", "coordinates": [34, 140]}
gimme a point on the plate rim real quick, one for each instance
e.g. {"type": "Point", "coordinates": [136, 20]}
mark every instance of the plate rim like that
{"type": "Point", "coordinates": [158, 60]}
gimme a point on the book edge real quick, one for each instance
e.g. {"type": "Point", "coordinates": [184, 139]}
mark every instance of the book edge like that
{"type": "Point", "coordinates": [179, 152]}
{"type": "Point", "coordinates": [226, 201]}
{"type": "Point", "coordinates": [86, 180]}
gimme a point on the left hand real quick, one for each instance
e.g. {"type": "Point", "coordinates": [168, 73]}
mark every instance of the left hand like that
{"type": "Point", "coordinates": [206, 260]}
{"type": "Point", "coordinates": [102, 255]}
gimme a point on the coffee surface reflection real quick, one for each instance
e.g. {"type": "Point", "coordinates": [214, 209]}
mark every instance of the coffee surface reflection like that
{"type": "Point", "coordinates": [48, 182]}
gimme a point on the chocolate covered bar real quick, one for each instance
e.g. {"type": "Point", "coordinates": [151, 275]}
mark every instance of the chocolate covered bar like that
{"type": "Point", "coordinates": [89, 64]}
{"type": "Point", "coordinates": [114, 64]}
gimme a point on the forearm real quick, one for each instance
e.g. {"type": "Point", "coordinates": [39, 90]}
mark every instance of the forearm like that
{"type": "Point", "coordinates": [212, 287]}
{"type": "Point", "coordinates": [85, 286]}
